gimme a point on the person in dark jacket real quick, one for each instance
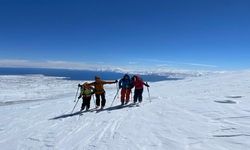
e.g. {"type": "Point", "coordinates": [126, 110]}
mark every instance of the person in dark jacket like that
{"type": "Point", "coordinates": [125, 85]}
{"type": "Point", "coordinates": [138, 83]}
{"type": "Point", "coordinates": [99, 91]}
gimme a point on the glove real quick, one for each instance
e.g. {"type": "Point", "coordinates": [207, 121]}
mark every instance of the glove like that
{"type": "Point", "coordinates": [116, 81]}
{"type": "Point", "coordinates": [79, 97]}
{"type": "Point", "coordinates": [79, 85]}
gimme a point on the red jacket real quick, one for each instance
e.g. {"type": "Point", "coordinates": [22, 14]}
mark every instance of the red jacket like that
{"type": "Point", "coordinates": [138, 83]}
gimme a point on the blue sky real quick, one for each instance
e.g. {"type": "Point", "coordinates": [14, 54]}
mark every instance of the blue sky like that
{"type": "Point", "coordinates": [202, 34]}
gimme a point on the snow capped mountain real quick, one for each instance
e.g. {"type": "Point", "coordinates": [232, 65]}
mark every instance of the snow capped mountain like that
{"type": "Point", "coordinates": [208, 112]}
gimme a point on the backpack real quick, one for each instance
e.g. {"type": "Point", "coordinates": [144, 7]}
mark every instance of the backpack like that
{"type": "Point", "coordinates": [86, 92]}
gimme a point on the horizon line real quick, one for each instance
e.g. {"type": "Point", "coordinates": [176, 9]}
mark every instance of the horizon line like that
{"type": "Point", "coordinates": [135, 66]}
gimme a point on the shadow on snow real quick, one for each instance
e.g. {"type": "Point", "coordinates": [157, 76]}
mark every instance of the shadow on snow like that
{"type": "Point", "coordinates": [112, 108]}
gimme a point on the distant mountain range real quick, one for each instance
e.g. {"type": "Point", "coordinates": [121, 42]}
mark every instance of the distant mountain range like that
{"type": "Point", "coordinates": [89, 74]}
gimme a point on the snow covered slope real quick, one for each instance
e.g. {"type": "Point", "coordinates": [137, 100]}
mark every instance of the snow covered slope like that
{"type": "Point", "coordinates": [20, 89]}
{"type": "Point", "coordinates": [202, 113]}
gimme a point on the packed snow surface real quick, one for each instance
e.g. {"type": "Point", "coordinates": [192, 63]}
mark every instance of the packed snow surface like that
{"type": "Point", "coordinates": [210, 112]}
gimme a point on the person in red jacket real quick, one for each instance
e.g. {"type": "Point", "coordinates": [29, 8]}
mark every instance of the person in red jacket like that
{"type": "Point", "coordinates": [138, 83]}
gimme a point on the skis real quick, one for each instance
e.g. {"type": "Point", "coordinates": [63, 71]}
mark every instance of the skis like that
{"type": "Point", "coordinates": [86, 111]}
{"type": "Point", "coordinates": [136, 104]}
{"type": "Point", "coordinates": [109, 109]}
{"type": "Point", "coordinates": [99, 110]}
{"type": "Point", "coordinates": [130, 105]}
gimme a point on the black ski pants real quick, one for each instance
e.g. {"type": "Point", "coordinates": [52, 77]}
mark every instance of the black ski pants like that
{"type": "Point", "coordinates": [86, 102]}
{"type": "Point", "coordinates": [98, 99]}
{"type": "Point", "coordinates": [138, 95]}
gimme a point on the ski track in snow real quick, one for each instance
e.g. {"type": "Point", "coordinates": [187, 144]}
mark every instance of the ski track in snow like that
{"type": "Point", "coordinates": [208, 112]}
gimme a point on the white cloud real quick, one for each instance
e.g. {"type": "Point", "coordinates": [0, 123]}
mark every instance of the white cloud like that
{"type": "Point", "coordinates": [201, 65]}
{"type": "Point", "coordinates": [43, 64]}
{"type": "Point", "coordinates": [159, 63]}
{"type": "Point", "coordinates": [12, 62]}
{"type": "Point", "coordinates": [162, 65]}
{"type": "Point", "coordinates": [132, 67]}
{"type": "Point", "coordinates": [132, 63]}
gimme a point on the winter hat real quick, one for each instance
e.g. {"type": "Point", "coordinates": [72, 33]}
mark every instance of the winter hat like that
{"type": "Point", "coordinates": [96, 77]}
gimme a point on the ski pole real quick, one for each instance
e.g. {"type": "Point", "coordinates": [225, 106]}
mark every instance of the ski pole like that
{"type": "Point", "coordinates": [75, 106]}
{"type": "Point", "coordinates": [75, 100]}
{"type": "Point", "coordinates": [131, 95]}
{"type": "Point", "coordinates": [148, 93]}
{"type": "Point", "coordinates": [115, 95]}
{"type": "Point", "coordinates": [93, 97]}
{"type": "Point", "coordinates": [76, 93]}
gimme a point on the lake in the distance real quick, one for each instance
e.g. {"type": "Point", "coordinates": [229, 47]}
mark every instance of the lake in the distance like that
{"type": "Point", "coordinates": [78, 74]}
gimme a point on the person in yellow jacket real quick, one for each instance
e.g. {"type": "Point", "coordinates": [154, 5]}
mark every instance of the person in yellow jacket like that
{"type": "Point", "coordinates": [99, 91]}
{"type": "Point", "coordinates": [86, 93]}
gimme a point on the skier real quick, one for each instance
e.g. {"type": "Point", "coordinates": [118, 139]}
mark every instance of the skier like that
{"type": "Point", "coordinates": [99, 91]}
{"type": "Point", "coordinates": [86, 92]}
{"type": "Point", "coordinates": [138, 84]}
{"type": "Point", "coordinates": [125, 84]}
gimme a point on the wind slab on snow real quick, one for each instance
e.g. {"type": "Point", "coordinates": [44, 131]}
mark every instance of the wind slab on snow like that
{"type": "Point", "coordinates": [210, 112]}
